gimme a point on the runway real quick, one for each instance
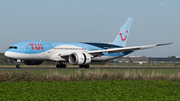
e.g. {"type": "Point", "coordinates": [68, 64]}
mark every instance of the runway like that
{"type": "Point", "coordinates": [89, 68]}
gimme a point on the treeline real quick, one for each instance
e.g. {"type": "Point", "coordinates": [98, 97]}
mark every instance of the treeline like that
{"type": "Point", "coordinates": [4, 60]}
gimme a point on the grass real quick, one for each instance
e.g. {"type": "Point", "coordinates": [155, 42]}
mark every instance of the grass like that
{"type": "Point", "coordinates": [53, 65]}
{"type": "Point", "coordinates": [85, 84]}
{"type": "Point", "coordinates": [91, 91]}
{"type": "Point", "coordinates": [84, 74]}
{"type": "Point", "coordinates": [67, 72]}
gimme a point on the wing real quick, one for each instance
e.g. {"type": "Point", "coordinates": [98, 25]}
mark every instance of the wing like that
{"type": "Point", "coordinates": [117, 50]}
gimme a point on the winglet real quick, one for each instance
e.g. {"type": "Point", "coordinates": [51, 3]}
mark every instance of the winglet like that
{"type": "Point", "coordinates": [164, 44]}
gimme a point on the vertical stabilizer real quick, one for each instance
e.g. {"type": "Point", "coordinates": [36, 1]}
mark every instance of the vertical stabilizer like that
{"type": "Point", "coordinates": [122, 36]}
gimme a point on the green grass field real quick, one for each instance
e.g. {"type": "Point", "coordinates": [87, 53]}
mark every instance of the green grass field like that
{"type": "Point", "coordinates": [100, 90]}
{"type": "Point", "coordinates": [91, 91]}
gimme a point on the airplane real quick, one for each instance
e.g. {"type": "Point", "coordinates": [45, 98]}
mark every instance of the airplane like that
{"type": "Point", "coordinates": [76, 53]}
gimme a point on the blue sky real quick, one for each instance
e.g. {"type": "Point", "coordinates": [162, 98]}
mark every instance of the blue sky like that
{"type": "Point", "coordinates": [155, 21]}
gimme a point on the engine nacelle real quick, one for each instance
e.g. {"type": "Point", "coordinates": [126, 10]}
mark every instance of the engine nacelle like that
{"type": "Point", "coordinates": [28, 62]}
{"type": "Point", "coordinates": [79, 58]}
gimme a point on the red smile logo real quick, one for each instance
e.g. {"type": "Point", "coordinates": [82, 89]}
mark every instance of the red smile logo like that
{"type": "Point", "coordinates": [122, 37]}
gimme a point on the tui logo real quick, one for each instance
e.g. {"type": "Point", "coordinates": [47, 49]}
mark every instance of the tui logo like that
{"type": "Point", "coordinates": [37, 46]}
{"type": "Point", "coordinates": [123, 39]}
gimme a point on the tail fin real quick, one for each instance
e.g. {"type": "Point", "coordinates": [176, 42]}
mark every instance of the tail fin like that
{"type": "Point", "coordinates": [121, 37]}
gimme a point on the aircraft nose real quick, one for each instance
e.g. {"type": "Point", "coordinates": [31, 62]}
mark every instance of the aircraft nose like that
{"type": "Point", "coordinates": [7, 54]}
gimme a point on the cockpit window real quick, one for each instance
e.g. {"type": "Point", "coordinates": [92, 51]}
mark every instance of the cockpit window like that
{"type": "Point", "coordinates": [12, 47]}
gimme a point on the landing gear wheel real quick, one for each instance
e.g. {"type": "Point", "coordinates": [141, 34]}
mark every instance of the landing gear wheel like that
{"type": "Point", "coordinates": [86, 66]}
{"type": "Point", "coordinates": [64, 66]}
{"type": "Point", "coordinates": [80, 66]}
{"type": "Point", "coordinates": [57, 66]}
{"type": "Point", "coordinates": [83, 66]}
{"type": "Point", "coordinates": [18, 66]}
{"type": "Point", "coordinates": [60, 66]}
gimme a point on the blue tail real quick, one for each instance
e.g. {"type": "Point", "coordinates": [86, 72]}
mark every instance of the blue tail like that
{"type": "Point", "coordinates": [121, 37]}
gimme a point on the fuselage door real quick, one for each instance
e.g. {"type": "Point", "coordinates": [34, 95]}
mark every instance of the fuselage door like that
{"type": "Point", "coordinates": [26, 48]}
{"type": "Point", "coordinates": [47, 47]}
{"type": "Point", "coordinates": [88, 48]}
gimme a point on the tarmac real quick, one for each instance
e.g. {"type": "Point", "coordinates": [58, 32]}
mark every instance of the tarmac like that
{"type": "Point", "coordinates": [34, 68]}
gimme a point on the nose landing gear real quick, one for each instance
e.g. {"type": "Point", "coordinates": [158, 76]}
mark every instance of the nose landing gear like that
{"type": "Point", "coordinates": [18, 63]}
{"type": "Point", "coordinates": [18, 66]}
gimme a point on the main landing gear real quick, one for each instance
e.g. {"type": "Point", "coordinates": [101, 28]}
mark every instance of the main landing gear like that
{"type": "Point", "coordinates": [84, 66]}
{"type": "Point", "coordinates": [61, 65]}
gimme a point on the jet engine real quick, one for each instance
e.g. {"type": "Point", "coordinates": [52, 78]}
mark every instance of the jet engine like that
{"type": "Point", "coordinates": [28, 62]}
{"type": "Point", "coordinates": [79, 58]}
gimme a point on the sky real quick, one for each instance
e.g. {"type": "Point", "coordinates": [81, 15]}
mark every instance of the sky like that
{"type": "Point", "coordinates": [154, 21]}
